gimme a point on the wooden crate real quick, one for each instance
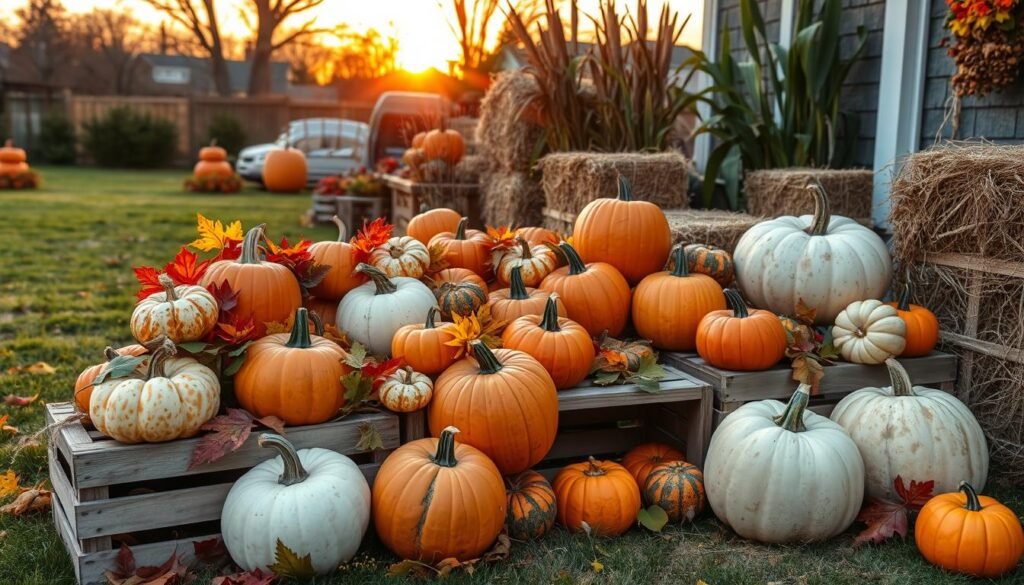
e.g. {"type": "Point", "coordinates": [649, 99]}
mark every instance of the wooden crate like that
{"type": "Point", "coordinates": [325, 207]}
{"type": "Point", "coordinates": [105, 491]}
{"type": "Point", "coordinates": [407, 197]}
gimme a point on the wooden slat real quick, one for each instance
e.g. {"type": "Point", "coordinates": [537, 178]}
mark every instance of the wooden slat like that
{"type": "Point", "coordinates": [150, 511]}
{"type": "Point", "coordinates": [414, 425]}
{"type": "Point", "coordinates": [975, 262]}
{"type": "Point", "coordinates": [559, 215]}
{"type": "Point", "coordinates": [580, 444]}
{"type": "Point", "coordinates": [986, 347]}
{"type": "Point", "coordinates": [62, 487]}
{"type": "Point", "coordinates": [67, 536]}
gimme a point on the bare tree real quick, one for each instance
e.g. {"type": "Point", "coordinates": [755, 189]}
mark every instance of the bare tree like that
{"type": "Point", "coordinates": [112, 41]}
{"type": "Point", "coordinates": [269, 16]}
{"type": "Point", "coordinates": [200, 18]}
{"type": "Point", "coordinates": [470, 23]}
{"type": "Point", "coordinates": [366, 55]}
{"type": "Point", "coordinates": [41, 34]}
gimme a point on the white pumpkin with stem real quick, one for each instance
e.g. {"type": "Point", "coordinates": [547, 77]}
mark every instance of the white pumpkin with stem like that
{"type": "Point", "coordinates": [869, 332]}
{"type": "Point", "coordinates": [781, 474]}
{"type": "Point", "coordinates": [406, 390]}
{"type": "Point", "coordinates": [826, 261]}
{"type": "Point", "coordinates": [182, 313]}
{"type": "Point", "coordinates": [401, 256]}
{"type": "Point", "coordinates": [914, 432]}
{"type": "Point", "coordinates": [535, 263]}
{"type": "Point", "coordinates": [314, 501]}
{"type": "Point", "coordinates": [371, 313]}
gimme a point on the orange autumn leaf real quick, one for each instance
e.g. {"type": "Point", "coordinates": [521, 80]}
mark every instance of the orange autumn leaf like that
{"type": "Point", "coordinates": [185, 268]}
{"type": "Point", "coordinates": [214, 236]}
{"type": "Point", "coordinates": [31, 500]}
{"type": "Point", "coordinates": [4, 427]}
{"type": "Point", "coordinates": [805, 314]}
{"type": "Point", "coordinates": [466, 330]}
{"type": "Point", "coordinates": [502, 236]}
{"type": "Point", "coordinates": [13, 400]}
{"type": "Point", "coordinates": [8, 483]}
{"type": "Point", "coordinates": [373, 235]}
{"type": "Point", "coordinates": [438, 258]}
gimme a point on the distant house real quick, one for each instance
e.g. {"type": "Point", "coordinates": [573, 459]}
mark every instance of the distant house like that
{"type": "Point", "coordinates": [182, 75]}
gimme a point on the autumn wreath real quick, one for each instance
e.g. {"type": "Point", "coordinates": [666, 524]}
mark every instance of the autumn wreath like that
{"type": "Point", "coordinates": [987, 46]}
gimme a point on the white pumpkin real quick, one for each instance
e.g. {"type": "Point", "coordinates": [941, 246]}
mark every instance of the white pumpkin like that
{"type": "Point", "coordinates": [915, 432]}
{"type": "Point", "coordinates": [315, 501]}
{"type": "Point", "coordinates": [401, 256]}
{"type": "Point", "coordinates": [534, 262]}
{"type": "Point", "coordinates": [826, 261]}
{"type": "Point", "coordinates": [182, 313]}
{"type": "Point", "coordinates": [174, 398]}
{"type": "Point", "coordinates": [869, 332]}
{"type": "Point", "coordinates": [778, 473]}
{"type": "Point", "coordinates": [406, 390]}
{"type": "Point", "coordinates": [371, 313]}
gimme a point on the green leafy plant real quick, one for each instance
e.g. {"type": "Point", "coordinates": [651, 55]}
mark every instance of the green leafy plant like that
{"type": "Point", "coordinates": [228, 132]}
{"type": "Point", "coordinates": [57, 140]}
{"type": "Point", "coordinates": [125, 138]}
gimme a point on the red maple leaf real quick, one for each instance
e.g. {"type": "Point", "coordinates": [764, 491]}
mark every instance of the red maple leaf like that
{"type": "Point", "coordinates": [149, 278]}
{"type": "Point", "coordinates": [236, 330]}
{"type": "Point", "coordinates": [885, 518]}
{"type": "Point", "coordinates": [227, 299]}
{"type": "Point", "coordinates": [379, 371]}
{"type": "Point", "coordinates": [211, 552]}
{"type": "Point", "coordinates": [288, 255]}
{"type": "Point", "coordinates": [231, 251]}
{"type": "Point", "coordinates": [373, 235]}
{"type": "Point", "coordinates": [15, 400]}
{"type": "Point", "coordinates": [229, 433]}
{"type": "Point", "coordinates": [915, 496]}
{"type": "Point", "coordinates": [171, 572]}
{"type": "Point", "coordinates": [186, 268]}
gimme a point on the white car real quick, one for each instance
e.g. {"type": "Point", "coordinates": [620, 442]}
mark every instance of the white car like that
{"type": "Point", "coordinates": [332, 146]}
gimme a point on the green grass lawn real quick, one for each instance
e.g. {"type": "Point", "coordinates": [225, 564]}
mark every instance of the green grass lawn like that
{"type": "Point", "coordinates": [66, 291]}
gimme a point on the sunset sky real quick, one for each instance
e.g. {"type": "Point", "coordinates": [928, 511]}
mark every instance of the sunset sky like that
{"type": "Point", "coordinates": [420, 25]}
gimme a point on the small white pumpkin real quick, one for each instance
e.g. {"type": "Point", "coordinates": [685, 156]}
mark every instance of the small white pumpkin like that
{"type": "Point", "coordinates": [826, 261]}
{"type": "Point", "coordinates": [406, 390]}
{"type": "Point", "coordinates": [779, 473]}
{"type": "Point", "coordinates": [915, 432]}
{"type": "Point", "coordinates": [371, 313]}
{"type": "Point", "coordinates": [535, 263]}
{"type": "Point", "coordinates": [182, 313]}
{"type": "Point", "coordinates": [869, 332]}
{"type": "Point", "coordinates": [315, 501]}
{"type": "Point", "coordinates": [401, 256]}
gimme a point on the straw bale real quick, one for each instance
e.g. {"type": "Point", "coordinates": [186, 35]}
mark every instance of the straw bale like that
{"type": "Point", "coordinates": [777, 192]}
{"type": "Point", "coordinates": [511, 198]}
{"type": "Point", "coordinates": [710, 226]}
{"type": "Point", "coordinates": [509, 128]}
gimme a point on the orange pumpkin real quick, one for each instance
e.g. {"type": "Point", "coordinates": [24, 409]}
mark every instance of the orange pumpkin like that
{"type": "Point", "coordinates": [83, 385]}
{"type": "Point", "coordinates": [505, 400]}
{"type": "Point", "coordinates": [327, 311]}
{"type": "Point", "coordinates": [535, 263]}
{"type": "Point", "coordinates": [267, 291]}
{"type": "Point", "coordinates": [709, 260]}
{"type": "Point", "coordinates": [295, 377]}
{"type": "Point", "coordinates": [12, 160]}
{"type": "Point", "coordinates": [470, 249]}
{"type": "Point", "coordinates": [509, 304]}
{"type": "Point", "coordinates": [676, 487]}
{"type": "Point", "coordinates": [284, 171]}
{"type": "Point", "coordinates": [741, 339]}
{"type": "Point", "coordinates": [340, 255]}
{"type": "Point", "coordinates": [668, 306]}
{"type": "Point", "coordinates": [429, 223]}
{"type": "Point", "coordinates": [458, 276]}
{"type": "Point", "coordinates": [537, 236]}
{"type": "Point", "coordinates": [561, 345]}
{"type": "Point", "coordinates": [213, 162]}
{"type": "Point", "coordinates": [922, 325]}
{"type": "Point", "coordinates": [970, 534]}
{"type": "Point", "coordinates": [444, 145]}
{"type": "Point", "coordinates": [417, 140]}
{"type": "Point", "coordinates": [595, 295]}
{"type": "Point", "coordinates": [632, 236]}
{"type": "Point", "coordinates": [424, 347]}
{"type": "Point", "coordinates": [413, 158]}
{"type": "Point", "coordinates": [530, 506]}
{"type": "Point", "coordinates": [427, 485]}
{"type": "Point", "coordinates": [601, 493]}
{"type": "Point", "coordinates": [640, 460]}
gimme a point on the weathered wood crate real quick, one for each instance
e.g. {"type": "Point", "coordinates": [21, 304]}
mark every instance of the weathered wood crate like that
{"type": "Point", "coordinates": [408, 196]}
{"type": "Point", "coordinates": [105, 492]}
{"type": "Point", "coordinates": [324, 207]}
{"type": "Point", "coordinates": [734, 389]}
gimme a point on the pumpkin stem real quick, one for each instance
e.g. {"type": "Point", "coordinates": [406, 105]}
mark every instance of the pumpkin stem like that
{"type": "Point", "coordinates": [381, 280]}
{"type": "Point", "coordinates": [682, 264]}
{"type": "Point", "coordinates": [736, 303]}
{"type": "Point", "coordinates": [527, 254]}
{"type": "Point", "coordinates": [904, 302]}
{"type": "Point", "coordinates": [792, 419]}
{"type": "Point", "coordinates": [900, 379]}
{"type": "Point", "coordinates": [300, 330]}
{"type": "Point", "coordinates": [445, 455]}
{"type": "Point", "coordinates": [972, 504]}
{"type": "Point", "coordinates": [593, 469]}
{"type": "Point", "coordinates": [293, 471]}
{"type": "Point", "coordinates": [342, 229]}
{"type": "Point", "coordinates": [161, 354]}
{"type": "Point", "coordinates": [318, 323]}
{"type": "Point", "coordinates": [213, 142]}
{"type": "Point", "coordinates": [168, 284]}
{"type": "Point", "coordinates": [424, 207]}
{"type": "Point", "coordinates": [430, 318]}
{"type": "Point", "coordinates": [625, 189]}
{"type": "Point", "coordinates": [822, 211]}
{"type": "Point", "coordinates": [516, 286]}
{"type": "Point", "coordinates": [460, 231]}
{"type": "Point", "coordinates": [110, 353]}
{"type": "Point", "coordinates": [576, 265]}
{"type": "Point", "coordinates": [550, 321]}
{"type": "Point", "coordinates": [251, 245]}
{"type": "Point", "coordinates": [488, 362]}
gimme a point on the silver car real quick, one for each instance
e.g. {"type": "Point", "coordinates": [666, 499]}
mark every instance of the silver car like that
{"type": "Point", "coordinates": [332, 146]}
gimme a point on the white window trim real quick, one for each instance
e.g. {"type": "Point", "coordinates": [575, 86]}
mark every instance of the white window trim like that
{"type": "Point", "coordinates": [709, 45]}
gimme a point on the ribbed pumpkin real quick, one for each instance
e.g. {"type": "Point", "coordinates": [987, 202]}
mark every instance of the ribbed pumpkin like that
{"type": "Point", "coordinates": [181, 313]}
{"type": "Point", "coordinates": [295, 377]}
{"type": "Point", "coordinates": [530, 508]}
{"type": "Point", "coordinates": [341, 257]}
{"type": "Point", "coordinates": [326, 310]}
{"type": "Point", "coordinates": [509, 304]}
{"type": "Point", "coordinates": [676, 487]}
{"type": "Point", "coordinates": [284, 171]}
{"type": "Point", "coordinates": [505, 400]}
{"type": "Point", "coordinates": [632, 236]}
{"type": "Point", "coordinates": [12, 160]}
{"type": "Point", "coordinates": [373, 312]}
{"type": "Point", "coordinates": [922, 334]}
{"type": "Point", "coordinates": [458, 276]}
{"type": "Point", "coordinates": [534, 263]}
{"type": "Point", "coordinates": [417, 140]}
{"type": "Point", "coordinates": [561, 345]}
{"type": "Point", "coordinates": [459, 298]}
{"type": "Point", "coordinates": [640, 460]}
{"type": "Point", "coordinates": [424, 347]}
{"type": "Point", "coordinates": [465, 248]}
{"type": "Point", "coordinates": [431, 222]}
{"type": "Point", "coordinates": [444, 145]}
{"type": "Point", "coordinates": [424, 487]}
{"type": "Point", "coordinates": [537, 236]}
{"type": "Point", "coordinates": [601, 493]}
{"type": "Point", "coordinates": [213, 162]}
{"type": "Point", "coordinates": [595, 295]}
{"type": "Point", "coordinates": [406, 390]}
{"type": "Point", "coordinates": [668, 306]}
{"type": "Point", "coordinates": [83, 384]}
{"type": "Point", "coordinates": [741, 339]}
{"type": "Point", "coordinates": [267, 291]}
{"type": "Point", "coordinates": [401, 256]}
{"type": "Point", "coordinates": [710, 260]}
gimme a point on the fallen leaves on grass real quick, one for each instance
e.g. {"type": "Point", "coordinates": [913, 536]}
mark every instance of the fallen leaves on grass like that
{"type": "Point", "coordinates": [6, 428]}
{"type": "Point", "coordinates": [443, 568]}
{"type": "Point", "coordinates": [13, 400]}
{"type": "Point", "coordinates": [8, 483]}
{"type": "Point", "coordinates": [255, 577]}
{"type": "Point", "coordinates": [35, 499]}
{"type": "Point", "coordinates": [171, 572]}
{"type": "Point", "coordinates": [212, 552]}
{"type": "Point", "coordinates": [229, 433]}
{"type": "Point", "coordinates": [36, 369]}
{"type": "Point", "coordinates": [886, 518]}
{"type": "Point", "coordinates": [288, 563]}
{"type": "Point", "coordinates": [653, 518]}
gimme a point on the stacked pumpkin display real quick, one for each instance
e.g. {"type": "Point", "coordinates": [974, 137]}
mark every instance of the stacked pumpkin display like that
{"type": "Point", "coordinates": [14, 170]}
{"type": "Point", "coordinates": [432, 156]}
{"type": "Point", "coordinates": [213, 173]}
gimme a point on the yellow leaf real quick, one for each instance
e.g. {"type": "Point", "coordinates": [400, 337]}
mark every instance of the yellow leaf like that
{"type": "Point", "coordinates": [597, 566]}
{"type": "Point", "coordinates": [213, 236]}
{"type": "Point", "coordinates": [8, 483]}
{"type": "Point", "coordinates": [701, 582]}
{"type": "Point", "coordinates": [37, 369]}
{"type": "Point", "coordinates": [288, 563]}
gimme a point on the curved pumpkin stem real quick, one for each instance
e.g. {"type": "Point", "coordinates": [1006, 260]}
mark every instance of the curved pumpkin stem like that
{"type": "Point", "coordinates": [972, 504]}
{"type": "Point", "coordinates": [576, 265]}
{"type": "Point", "coordinates": [736, 303]}
{"type": "Point", "coordinates": [593, 469]}
{"type": "Point", "coordinates": [318, 323]}
{"type": "Point", "coordinates": [550, 321]}
{"type": "Point", "coordinates": [792, 419]}
{"type": "Point", "coordinates": [445, 455]}
{"type": "Point", "coordinates": [110, 353]}
{"type": "Point", "coordinates": [430, 318]}
{"type": "Point", "coordinates": [527, 254]}
{"type": "Point", "coordinates": [168, 284]}
{"type": "Point", "coordinates": [300, 330]}
{"type": "Point", "coordinates": [904, 302]}
{"type": "Point", "coordinates": [161, 354]}
{"type": "Point", "coordinates": [625, 189]}
{"type": "Point", "coordinates": [293, 471]}
{"type": "Point", "coordinates": [380, 280]}
{"type": "Point", "coordinates": [251, 245]}
{"type": "Point", "coordinates": [460, 231]}
{"type": "Point", "coordinates": [682, 267]}
{"type": "Point", "coordinates": [822, 211]}
{"type": "Point", "coordinates": [516, 287]}
{"type": "Point", "coordinates": [488, 362]}
{"type": "Point", "coordinates": [900, 379]}
{"type": "Point", "coordinates": [342, 229]}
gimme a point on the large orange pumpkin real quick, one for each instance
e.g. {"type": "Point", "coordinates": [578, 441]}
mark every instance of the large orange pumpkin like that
{"type": "Point", "coordinates": [457, 276]}
{"type": "Point", "coordinates": [970, 534]}
{"type": "Point", "coordinates": [530, 507]}
{"type": "Point", "coordinates": [417, 140]}
{"type": "Point", "coordinates": [83, 384]}
{"type": "Point", "coordinates": [267, 291]}
{"type": "Point", "coordinates": [537, 236]}
{"type": "Point", "coordinates": [561, 345]}
{"type": "Point", "coordinates": [465, 248]}
{"type": "Point", "coordinates": [676, 487]}
{"type": "Point", "coordinates": [435, 499]}
{"type": "Point", "coordinates": [668, 306]}
{"type": "Point", "coordinates": [444, 145]}
{"type": "Point", "coordinates": [284, 171]}
{"type": "Point", "coordinates": [632, 236]}
{"type": "Point", "coordinates": [341, 257]}
{"type": "Point", "coordinates": [425, 347]}
{"type": "Point", "coordinates": [640, 460]}
{"type": "Point", "coordinates": [326, 310]}
{"type": "Point", "coordinates": [429, 223]}
{"type": "Point", "coordinates": [518, 300]}
{"type": "Point", "coordinates": [213, 162]}
{"type": "Point", "coordinates": [506, 402]}
{"type": "Point", "coordinates": [601, 493]}
{"type": "Point", "coordinates": [922, 325]}
{"type": "Point", "coordinates": [741, 339]}
{"type": "Point", "coordinates": [295, 377]}
{"type": "Point", "coordinates": [595, 295]}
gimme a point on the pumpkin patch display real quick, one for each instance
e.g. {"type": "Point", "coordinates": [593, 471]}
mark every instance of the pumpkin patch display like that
{"type": "Point", "coordinates": [922, 326]}
{"type": "Point", "coordinates": [373, 312]}
{"type": "Point", "coordinates": [741, 339]}
{"type": "Point", "coordinates": [444, 145]}
{"type": "Point", "coordinates": [507, 402]}
{"type": "Point", "coordinates": [181, 313]}
{"type": "Point", "coordinates": [464, 248]}
{"type": "Point", "coordinates": [595, 295]}
{"type": "Point", "coordinates": [406, 390]}
{"type": "Point", "coordinates": [429, 223]}
{"type": "Point", "coordinates": [968, 533]}
{"type": "Point", "coordinates": [869, 332]}
{"type": "Point", "coordinates": [668, 306]}
{"type": "Point", "coordinates": [459, 298]}
{"type": "Point", "coordinates": [913, 432]}
{"type": "Point", "coordinates": [601, 493]}
{"type": "Point", "coordinates": [213, 162]}
{"type": "Point", "coordinates": [781, 474]}
{"type": "Point", "coordinates": [676, 487]}
{"type": "Point", "coordinates": [561, 345]}
{"type": "Point", "coordinates": [640, 460]}
{"type": "Point", "coordinates": [426, 485]}
{"type": "Point", "coordinates": [535, 262]}
{"type": "Point", "coordinates": [518, 300]}
{"type": "Point", "coordinates": [340, 255]}
{"type": "Point", "coordinates": [710, 260]}
{"type": "Point", "coordinates": [530, 506]}
{"type": "Point", "coordinates": [632, 236]}
{"type": "Point", "coordinates": [401, 256]}
{"type": "Point", "coordinates": [824, 261]}
{"type": "Point", "coordinates": [284, 171]}
{"type": "Point", "coordinates": [425, 346]}
{"type": "Point", "coordinates": [537, 236]}
{"type": "Point", "coordinates": [314, 501]}
{"type": "Point", "coordinates": [83, 384]}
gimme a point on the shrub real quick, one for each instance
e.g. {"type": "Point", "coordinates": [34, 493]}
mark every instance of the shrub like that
{"type": "Point", "coordinates": [124, 138]}
{"type": "Point", "coordinates": [228, 132]}
{"type": "Point", "coordinates": [57, 140]}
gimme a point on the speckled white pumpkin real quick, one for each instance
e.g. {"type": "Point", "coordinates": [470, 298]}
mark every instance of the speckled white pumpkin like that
{"type": "Point", "coordinates": [181, 313]}
{"type": "Point", "coordinates": [406, 390]}
{"type": "Point", "coordinates": [869, 332]}
{"type": "Point", "coordinates": [371, 313]}
{"type": "Point", "coordinates": [401, 256]}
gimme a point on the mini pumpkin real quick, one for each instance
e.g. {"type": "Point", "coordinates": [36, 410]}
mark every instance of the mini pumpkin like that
{"type": "Point", "coordinates": [340, 255]}
{"type": "Point", "coordinates": [869, 332]}
{"type": "Point", "coordinates": [459, 298]}
{"type": "Point", "coordinates": [444, 145]}
{"type": "Point", "coordinates": [12, 160]}
{"type": "Point", "coordinates": [509, 304]}
{"type": "Point", "coordinates": [595, 295]}
{"type": "Point", "coordinates": [84, 382]}
{"type": "Point", "coordinates": [465, 248]}
{"type": "Point", "coordinates": [676, 487]}
{"type": "Point", "coordinates": [425, 347]}
{"type": "Point", "coordinates": [181, 313]}
{"type": "Point", "coordinates": [406, 390]}
{"type": "Point", "coordinates": [285, 170]}
{"type": "Point", "coordinates": [213, 162]}
{"type": "Point", "coordinates": [710, 260]}
{"type": "Point", "coordinates": [534, 263]}
{"type": "Point", "coordinates": [922, 327]}
{"type": "Point", "coordinates": [430, 222]}
{"type": "Point", "coordinates": [530, 506]}
{"type": "Point", "coordinates": [741, 339]}
{"type": "Point", "coordinates": [561, 345]}
{"type": "Point", "coordinates": [640, 460]}
{"type": "Point", "coordinates": [458, 276]}
{"type": "Point", "coordinates": [401, 256]}
{"type": "Point", "coordinates": [601, 493]}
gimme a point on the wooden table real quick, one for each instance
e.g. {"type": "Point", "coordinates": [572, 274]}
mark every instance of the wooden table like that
{"type": "Point", "coordinates": [408, 197]}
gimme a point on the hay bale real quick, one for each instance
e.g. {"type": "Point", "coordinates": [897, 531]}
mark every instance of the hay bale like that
{"type": "Point", "coordinates": [965, 198]}
{"type": "Point", "coordinates": [778, 192]}
{"type": "Point", "coordinates": [470, 169]}
{"type": "Point", "coordinates": [511, 198]}
{"type": "Point", "coordinates": [573, 179]}
{"type": "Point", "coordinates": [710, 226]}
{"type": "Point", "coordinates": [509, 127]}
